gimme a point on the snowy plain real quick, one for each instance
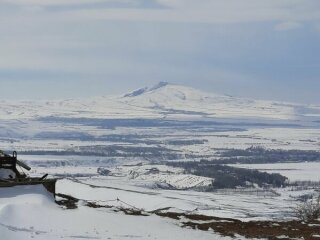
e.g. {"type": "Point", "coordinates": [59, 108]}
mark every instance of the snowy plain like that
{"type": "Point", "coordinates": [304, 171]}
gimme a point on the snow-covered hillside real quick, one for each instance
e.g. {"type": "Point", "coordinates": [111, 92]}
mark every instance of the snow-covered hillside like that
{"type": "Point", "coordinates": [170, 99]}
{"type": "Point", "coordinates": [30, 213]}
{"type": "Point", "coordinates": [163, 100]}
{"type": "Point", "coordinates": [165, 121]}
{"type": "Point", "coordinates": [161, 176]}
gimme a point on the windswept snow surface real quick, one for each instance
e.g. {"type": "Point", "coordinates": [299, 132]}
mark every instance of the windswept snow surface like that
{"type": "Point", "coordinates": [30, 213]}
{"type": "Point", "coordinates": [245, 205]}
{"type": "Point", "coordinates": [147, 193]}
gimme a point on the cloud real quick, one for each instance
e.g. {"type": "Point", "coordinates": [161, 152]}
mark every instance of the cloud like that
{"type": "Point", "coordinates": [61, 5]}
{"type": "Point", "coordinates": [209, 11]}
{"type": "Point", "coordinates": [317, 26]}
{"type": "Point", "coordinates": [284, 26]}
{"type": "Point", "coordinates": [52, 2]}
{"type": "Point", "coordinates": [136, 41]}
{"type": "Point", "coordinates": [205, 11]}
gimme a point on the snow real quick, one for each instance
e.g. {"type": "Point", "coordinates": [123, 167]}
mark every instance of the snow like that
{"type": "Point", "coordinates": [244, 205]}
{"type": "Point", "coordinates": [30, 213]}
{"type": "Point", "coordinates": [230, 122]}
{"type": "Point", "coordinates": [304, 171]}
{"type": "Point", "coordinates": [162, 100]}
{"type": "Point", "coordinates": [6, 173]}
{"type": "Point", "coordinates": [181, 181]}
{"type": "Point", "coordinates": [155, 174]}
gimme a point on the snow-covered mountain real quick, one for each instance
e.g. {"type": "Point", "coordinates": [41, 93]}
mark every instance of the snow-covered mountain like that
{"type": "Point", "coordinates": [161, 101]}
{"type": "Point", "coordinates": [170, 99]}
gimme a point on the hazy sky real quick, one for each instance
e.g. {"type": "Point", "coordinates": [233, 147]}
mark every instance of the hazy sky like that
{"type": "Point", "coordinates": [268, 49]}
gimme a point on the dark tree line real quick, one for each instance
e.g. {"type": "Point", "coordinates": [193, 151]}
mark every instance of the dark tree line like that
{"type": "Point", "coordinates": [263, 155]}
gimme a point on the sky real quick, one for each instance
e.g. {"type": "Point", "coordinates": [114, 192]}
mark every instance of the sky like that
{"type": "Point", "coordinates": [263, 49]}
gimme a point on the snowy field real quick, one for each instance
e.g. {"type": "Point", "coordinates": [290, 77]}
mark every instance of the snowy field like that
{"type": "Point", "coordinates": [142, 188]}
{"type": "Point", "coordinates": [173, 117]}
{"type": "Point", "coordinates": [304, 171]}
{"type": "Point", "coordinates": [32, 214]}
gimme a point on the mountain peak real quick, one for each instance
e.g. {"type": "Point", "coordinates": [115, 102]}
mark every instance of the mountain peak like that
{"type": "Point", "coordinates": [137, 92]}
{"type": "Point", "coordinates": [158, 85]}
{"type": "Point", "coordinates": [141, 91]}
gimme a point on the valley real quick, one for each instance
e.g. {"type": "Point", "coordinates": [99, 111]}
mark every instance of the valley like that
{"type": "Point", "coordinates": [159, 152]}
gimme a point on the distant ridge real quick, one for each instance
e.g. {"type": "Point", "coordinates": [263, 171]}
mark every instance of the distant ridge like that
{"type": "Point", "coordinates": [136, 92]}
{"type": "Point", "coordinates": [141, 91]}
{"type": "Point", "coordinates": [159, 85]}
{"type": "Point", "coordinates": [164, 100]}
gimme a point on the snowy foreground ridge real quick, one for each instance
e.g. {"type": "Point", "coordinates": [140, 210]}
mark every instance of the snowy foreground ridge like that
{"type": "Point", "coordinates": [30, 213]}
{"type": "Point", "coordinates": [162, 100]}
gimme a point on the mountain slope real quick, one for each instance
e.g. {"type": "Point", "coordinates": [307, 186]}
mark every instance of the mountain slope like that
{"type": "Point", "coordinates": [162, 100]}
{"type": "Point", "coordinates": [174, 99]}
